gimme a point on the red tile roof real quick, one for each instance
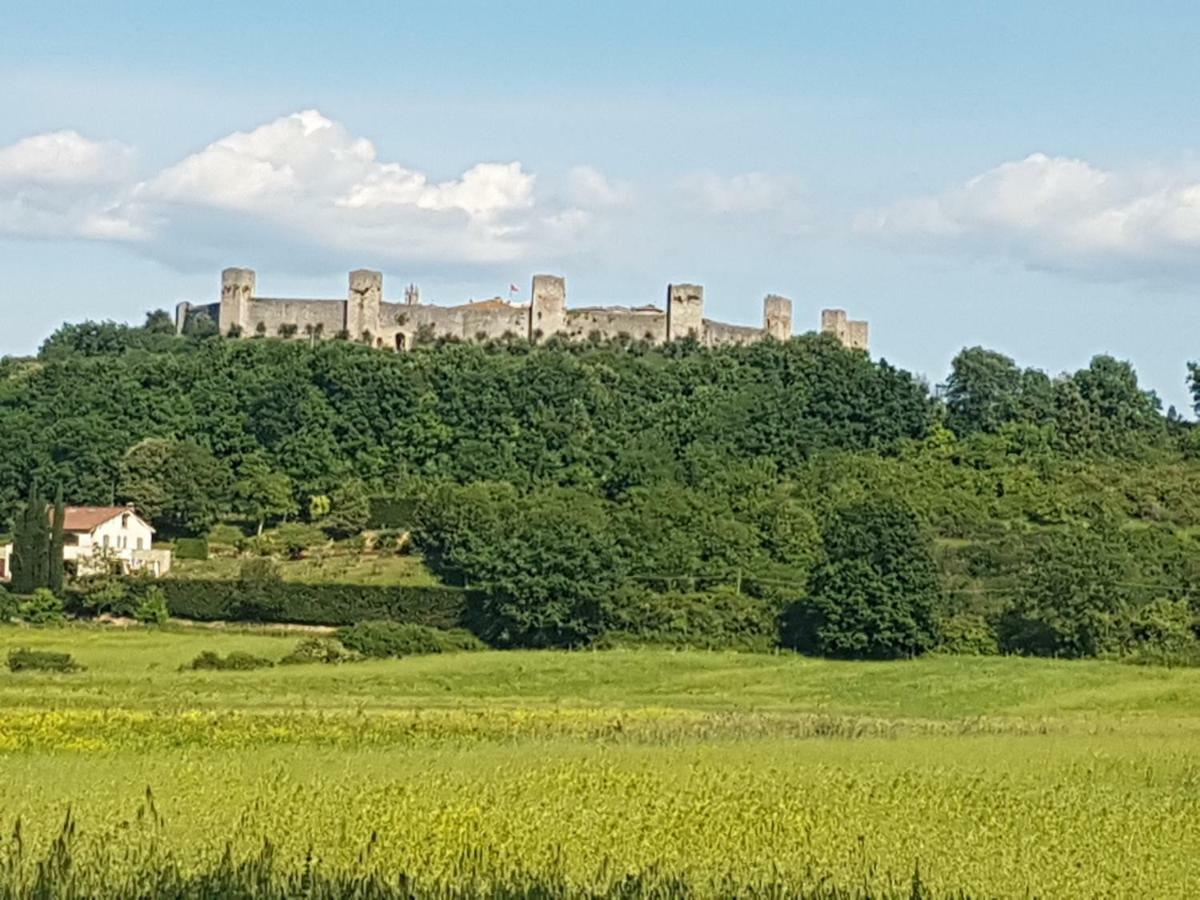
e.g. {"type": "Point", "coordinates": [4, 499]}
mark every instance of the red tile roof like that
{"type": "Point", "coordinates": [88, 518]}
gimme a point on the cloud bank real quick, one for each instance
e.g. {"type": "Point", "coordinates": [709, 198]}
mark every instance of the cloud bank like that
{"type": "Point", "coordinates": [301, 184]}
{"type": "Point", "coordinates": [304, 192]}
{"type": "Point", "coordinates": [1059, 214]}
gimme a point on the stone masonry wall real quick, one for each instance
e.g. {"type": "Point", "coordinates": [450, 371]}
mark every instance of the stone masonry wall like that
{"type": "Point", "coordinates": [365, 316]}
{"type": "Point", "coordinates": [329, 316]}
{"type": "Point", "coordinates": [640, 324]}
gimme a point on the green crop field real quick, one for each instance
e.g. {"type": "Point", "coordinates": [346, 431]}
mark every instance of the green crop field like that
{"type": "Point", "coordinates": [619, 773]}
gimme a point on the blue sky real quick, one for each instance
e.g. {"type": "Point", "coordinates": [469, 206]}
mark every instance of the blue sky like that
{"type": "Point", "coordinates": [1021, 177]}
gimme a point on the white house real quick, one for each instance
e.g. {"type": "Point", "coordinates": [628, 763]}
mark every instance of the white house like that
{"type": "Point", "coordinates": [95, 537]}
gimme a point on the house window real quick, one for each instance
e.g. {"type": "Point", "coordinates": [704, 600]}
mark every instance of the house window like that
{"type": "Point", "coordinates": [139, 544]}
{"type": "Point", "coordinates": [71, 540]}
{"type": "Point", "coordinates": [125, 520]}
{"type": "Point", "coordinates": [105, 542]}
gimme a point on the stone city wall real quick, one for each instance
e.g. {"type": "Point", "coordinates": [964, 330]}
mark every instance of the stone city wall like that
{"type": "Point", "coordinates": [365, 316]}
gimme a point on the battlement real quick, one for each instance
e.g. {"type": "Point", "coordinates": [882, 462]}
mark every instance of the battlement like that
{"type": "Point", "coordinates": [364, 315]}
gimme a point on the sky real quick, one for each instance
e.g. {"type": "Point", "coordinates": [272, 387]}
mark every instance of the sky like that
{"type": "Point", "coordinates": [1022, 176]}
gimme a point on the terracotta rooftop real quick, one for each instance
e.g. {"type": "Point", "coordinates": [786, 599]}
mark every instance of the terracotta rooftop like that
{"type": "Point", "coordinates": [494, 303]}
{"type": "Point", "coordinates": [89, 518]}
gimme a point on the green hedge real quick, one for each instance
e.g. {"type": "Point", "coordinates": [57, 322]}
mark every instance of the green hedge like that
{"type": "Point", "coordinates": [717, 620]}
{"type": "Point", "coordinates": [312, 604]}
{"type": "Point", "coordinates": [191, 548]}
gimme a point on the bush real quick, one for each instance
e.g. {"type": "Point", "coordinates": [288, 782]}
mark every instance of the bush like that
{"type": "Point", "coordinates": [8, 605]}
{"type": "Point", "coordinates": [102, 595]}
{"type": "Point", "coordinates": [383, 639]}
{"type": "Point", "coordinates": [326, 603]}
{"type": "Point", "coordinates": [152, 609]}
{"type": "Point", "coordinates": [319, 650]}
{"type": "Point", "coordinates": [295, 539]}
{"type": "Point", "coordinates": [25, 660]}
{"type": "Point", "coordinates": [967, 634]}
{"type": "Point", "coordinates": [721, 620]}
{"type": "Point", "coordinates": [1163, 632]}
{"type": "Point", "coordinates": [41, 608]}
{"type": "Point", "coordinates": [234, 661]}
{"type": "Point", "coordinates": [224, 535]}
{"type": "Point", "coordinates": [191, 548]}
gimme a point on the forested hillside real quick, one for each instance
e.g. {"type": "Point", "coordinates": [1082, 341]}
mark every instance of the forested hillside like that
{"type": "Point", "coordinates": [736, 497]}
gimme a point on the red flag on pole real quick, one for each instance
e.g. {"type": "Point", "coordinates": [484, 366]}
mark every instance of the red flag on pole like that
{"type": "Point", "coordinates": [513, 289]}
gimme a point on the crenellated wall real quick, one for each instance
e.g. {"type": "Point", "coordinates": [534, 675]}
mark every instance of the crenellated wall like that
{"type": "Point", "coordinates": [365, 316]}
{"type": "Point", "coordinates": [643, 323]}
{"type": "Point", "coordinates": [719, 334]}
{"type": "Point", "coordinates": [266, 315]}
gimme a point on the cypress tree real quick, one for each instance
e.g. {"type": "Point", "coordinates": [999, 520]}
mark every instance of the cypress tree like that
{"type": "Point", "coordinates": [31, 545]}
{"type": "Point", "coordinates": [54, 563]}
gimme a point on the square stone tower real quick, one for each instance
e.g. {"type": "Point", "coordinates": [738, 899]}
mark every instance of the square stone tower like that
{"type": "Point", "coordinates": [777, 317]}
{"type": "Point", "coordinates": [362, 303]}
{"type": "Point", "coordinates": [547, 307]}
{"type": "Point", "coordinates": [852, 334]}
{"type": "Point", "coordinates": [685, 311]}
{"type": "Point", "coordinates": [237, 289]}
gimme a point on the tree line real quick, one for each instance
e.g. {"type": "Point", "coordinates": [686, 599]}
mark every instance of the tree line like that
{"type": "Point", "coordinates": [801, 488]}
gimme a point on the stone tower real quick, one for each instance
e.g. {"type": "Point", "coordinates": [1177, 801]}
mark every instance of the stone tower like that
{"type": "Point", "coordinates": [685, 311]}
{"type": "Point", "coordinates": [237, 289]}
{"type": "Point", "coordinates": [777, 317]}
{"type": "Point", "coordinates": [362, 303]}
{"type": "Point", "coordinates": [547, 307]}
{"type": "Point", "coordinates": [183, 309]}
{"type": "Point", "coordinates": [856, 335]}
{"type": "Point", "coordinates": [852, 334]}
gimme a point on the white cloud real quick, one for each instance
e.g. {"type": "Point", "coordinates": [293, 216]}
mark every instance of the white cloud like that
{"type": "Point", "coordinates": [301, 185]}
{"type": "Point", "coordinates": [64, 158]}
{"type": "Point", "coordinates": [64, 185]}
{"type": "Point", "coordinates": [1060, 214]}
{"type": "Point", "coordinates": [745, 194]}
{"type": "Point", "coordinates": [588, 188]}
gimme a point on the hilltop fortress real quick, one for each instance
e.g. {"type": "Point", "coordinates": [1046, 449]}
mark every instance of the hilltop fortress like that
{"type": "Point", "coordinates": [365, 316]}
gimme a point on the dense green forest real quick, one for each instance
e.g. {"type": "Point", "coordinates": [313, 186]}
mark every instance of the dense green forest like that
{"type": "Point", "coordinates": [796, 493]}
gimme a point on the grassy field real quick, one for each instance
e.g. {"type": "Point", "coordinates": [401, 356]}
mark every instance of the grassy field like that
{"type": "Point", "coordinates": [640, 772]}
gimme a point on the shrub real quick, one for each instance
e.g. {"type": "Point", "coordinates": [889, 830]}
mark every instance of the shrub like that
{"type": "Point", "coordinates": [41, 608]}
{"type": "Point", "coordinates": [325, 603]}
{"type": "Point", "coordinates": [967, 634]}
{"type": "Point", "coordinates": [1163, 632]}
{"type": "Point", "coordinates": [294, 539]}
{"type": "Point", "coordinates": [152, 608]}
{"type": "Point", "coordinates": [101, 595]}
{"type": "Point", "coordinates": [319, 650]}
{"type": "Point", "coordinates": [384, 638]}
{"type": "Point", "coordinates": [26, 660]}
{"type": "Point", "coordinates": [237, 660]}
{"type": "Point", "coordinates": [224, 535]}
{"type": "Point", "coordinates": [721, 620]}
{"type": "Point", "coordinates": [191, 548]}
{"type": "Point", "coordinates": [8, 605]}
